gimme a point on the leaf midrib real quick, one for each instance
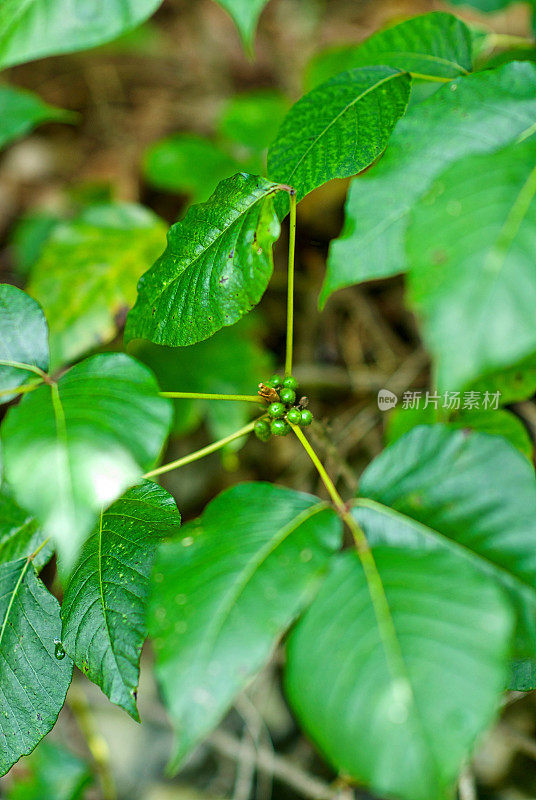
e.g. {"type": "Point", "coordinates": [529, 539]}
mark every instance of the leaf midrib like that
{"type": "Point", "coordinates": [12, 600]}
{"type": "Point", "coordinates": [251, 567]}
{"type": "Point", "coordinates": [447, 541]}
{"type": "Point", "coordinates": [164, 285]}
{"type": "Point", "coordinates": [343, 111]}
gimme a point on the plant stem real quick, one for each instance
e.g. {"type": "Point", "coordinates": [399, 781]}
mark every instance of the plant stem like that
{"type": "Point", "coordinates": [27, 387]}
{"type": "Point", "coordinates": [246, 398]}
{"type": "Point", "coordinates": [96, 743]}
{"type": "Point", "coordinates": [36, 552]}
{"type": "Point", "coordinates": [25, 367]}
{"type": "Point", "coordinates": [290, 286]}
{"type": "Point", "coordinates": [378, 598]}
{"type": "Point", "coordinates": [326, 480]}
{"type": "Point", "coordinates": [205, 451]}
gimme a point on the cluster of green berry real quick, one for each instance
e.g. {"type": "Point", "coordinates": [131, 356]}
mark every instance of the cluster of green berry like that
{"type": "Point", "coordinates": [283, 409]}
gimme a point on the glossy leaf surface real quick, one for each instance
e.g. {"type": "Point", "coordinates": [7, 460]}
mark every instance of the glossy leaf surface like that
{"type": "Point", "coordinates": [37, 28]}
{"type": "Point", "coordinates": [470, 248]}
{"type": "Point", "coordinates": [475, 114]}
{"type": "Point", "coordinates": [72, 448]}
{"type": "Point", "coordinates": [23, 338]}
{"type": "Point", "coordinates": [338, 129]}
{"type": "Point", "coordinates": [436, 45]}
{"type": "Point", "coordinates": [103, 609]}
{"type": "Point", "coordinates": [470, 493]}
{"type": "Point", "coordinates": [369, 695]}
{"type": "Point", "coordinates": [215, 268]}
{"type": "Point", "coordinates": [33, 681]}
{"type": "Point", "coordinates": [226, 591]}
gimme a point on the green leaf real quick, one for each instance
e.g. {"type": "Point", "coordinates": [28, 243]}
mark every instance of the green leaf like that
{"type": "Point", "coordinates": [433, 46]}
{"type": "Point", "coordinates": [338, 129]}
{"type": "Point", "coordinates": [252, 119]}
{"type": "Point", "coordinates": [226, 591]}
{"type": "Point", "coordinates": [51, 772]}
{"type": "Point", "coordinates": [72, 448]}
{"type": "Point", "coordinates": [103, 609]}
{"type": "Point", "coordinates": [23, 338]}
{"type": "Point", "coordinates": [498, 422]}
{"type": "Point", "coordinates": [232, 361]}
{"type": "Point", "coordinates": [38, 28]}
{"type": "Point", "coordinates": [188, 165]}
{"type": "Point", "coordinates": [470, 493]}
{"type": "Point", "coordinates": [86, 276]}
{"type": "Point", "coordinates": [245, 15]}
{"type": "Point", "coordinates": [217, 264]}
{"type": "Point", "coordinates": [28, 238]}
{"type": "Point", "coordinates": [20, 534]}
{"type": "Point", "coordinates": [34, 682]}
{"type": "Point", "coordinates": [20, 111]}
{"type": "Point", "coordinates": [476, 114]}
{"type": "Point", "coordinates": [472, 277]}
{"type": "Point", "coordinates": [396, 701]}
{"type": "Point", "coordinates": [514, 384]}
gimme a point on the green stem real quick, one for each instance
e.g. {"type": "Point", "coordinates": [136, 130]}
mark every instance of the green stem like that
{"type": "Point", "coordinates": [36, 552]}
{"type": "Point", "coordinates": [245, 398]}
{"type": "Point", "coordinates": [380, 604]}
{"type": "Point", "coordinates": [290, 287]}
{"type": "Point", "coordinates": [326, 480]}
{"type": "Point", "coordinates": [27, 387]}
{"type": "Point", "coordinates": [205, 451]}
{"type": "Point", "coordinates": [25, 367]}
{"type": "Point", "coordinates": [96, 743]}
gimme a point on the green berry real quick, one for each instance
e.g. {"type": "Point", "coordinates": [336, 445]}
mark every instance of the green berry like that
{"type": "Point", "coordinates": [306, 417]}
{"type": "Point", "coordinates": [288, 396]}
{"type": "Point", "coordinates": [290, 382]}
{"type": "Point", "coordinates": [276, 410]}
{"type": "Point", "coordinates": [294, 416]}
{"type": "Point", "coordinates": [280, 427]}
{"type": "Point", "coordinates": [275, 381]}
{"type": "Point", "coordinates": [262, 430]}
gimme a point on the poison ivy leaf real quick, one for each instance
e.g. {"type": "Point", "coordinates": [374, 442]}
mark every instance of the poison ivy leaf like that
{"type": "Point", "coordinates": [72, 448]}
{"type": "Point", "coordinates": [365, 684]}
{"type": "Point", "coordinates": [103, 609]}
{"type": "Point", "coordinates": [469, 493]}
{"type": "Point", "coordinates": [20, 111]}
{"type": "Point", "coordinates": [476, 114]}
{"type": "Point", "coordinates": [37, 28]}
{"type": "Point", "coordinates": [252, 119]}
{"type": "Point", "coordinates": [230, 362]}
{"type": "Point", "coordinates": [23, 338]}
{"type": "Point", "coordinates": [471, 258]}
{"type": "Point", "coordinates": [498, 422]}
{"type": "Point", "coordinates": [20, 534]}
{"type": "Point", "coordinates": [189, 165]}
{"type": "Point", "coordinates": [338, 129]}
{"type": "Point", "coordinates": [86, 276]}
{"type": "Point", "coordinates": [245, 15]}
{"type": "Point", "coordinates": [225, 593]}
{"type": "Point", "coordinates": [51, 772]}
{"type": "Point", "coordinates": [435, 45]}
{"type": "Point", "coordinates": [33, 681]}
{"type": "Point", "coordinates": [216, 266]}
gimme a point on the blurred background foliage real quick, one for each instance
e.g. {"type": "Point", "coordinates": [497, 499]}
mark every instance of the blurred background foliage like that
{"type": "Point", "coordinates": [126, 136]}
